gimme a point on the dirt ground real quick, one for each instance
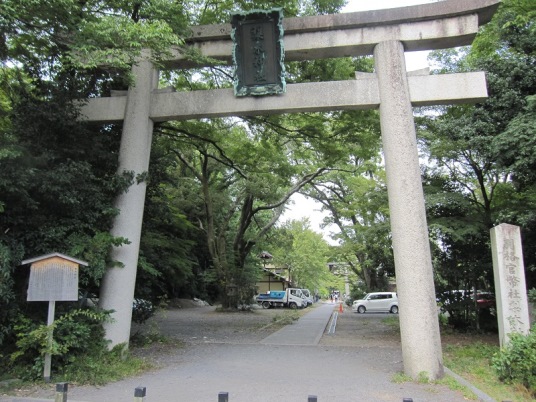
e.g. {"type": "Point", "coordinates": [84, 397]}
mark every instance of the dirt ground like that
{"type": "Point", "coordinates": [207, 324]}
{"type": "Point", "coordinates": [194, 324]}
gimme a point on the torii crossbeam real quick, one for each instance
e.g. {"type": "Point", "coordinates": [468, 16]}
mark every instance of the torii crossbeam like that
{"type": "Point", "coordinates": [384, 33]}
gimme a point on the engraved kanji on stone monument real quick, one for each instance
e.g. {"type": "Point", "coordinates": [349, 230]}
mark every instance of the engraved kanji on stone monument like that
{"type": "Point", "coordinates": [510, 288]}
{"type": "Point", "coordinates": [258, 53]}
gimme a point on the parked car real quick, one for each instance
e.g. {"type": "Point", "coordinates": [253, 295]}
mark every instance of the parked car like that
{"type": "Point", "coordinates": [485, 300]}
{"type": "Point", "coordinates": [461, 299]}
{"type": "Point", "coordinates": [377, 302]}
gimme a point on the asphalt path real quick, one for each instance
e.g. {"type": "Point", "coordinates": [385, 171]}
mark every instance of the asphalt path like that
{"type": "Point", "coordinates": [293, 364]}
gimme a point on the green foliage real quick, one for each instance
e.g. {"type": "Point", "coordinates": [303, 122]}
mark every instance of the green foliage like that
{"type": "Point", "coordinates": [473, 360]}
{"type": "Point", "coordinates": [102, 366]}
{"type": "Point", "coordinates": [142, 310]}
{"type": "Point", "coordinates": [400, 378]}
{"type": "Point", "coordinates": [7, 294]}
{"type": "Point", "coordinates": [296, 246]}
{"type": "Point", "coordinates": [515, 148]}
{"type": "Point", "coordinates": [356, 293]}
{"type": "Point", "coordinates": [76, 335]}
{"type": "Point", "coordinates": [482, 170]}
{"type": "Point", "coordinates": [516, 362]}
{"type": "Point", "coordinates": [91, 35]}
{"type": "Point", "coordinates": [532, 295]}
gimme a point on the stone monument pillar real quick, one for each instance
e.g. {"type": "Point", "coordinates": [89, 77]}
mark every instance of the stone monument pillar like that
{"type": "Point", "coordinates": [117, 290]}
{"type": "Point", "coordinates": [419, 324]}
{"type": "Point", "coordinates": [510, 287]}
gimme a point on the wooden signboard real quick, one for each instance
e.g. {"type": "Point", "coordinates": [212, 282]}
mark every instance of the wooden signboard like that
{"type": "Point", "coordinates": [53, 277]}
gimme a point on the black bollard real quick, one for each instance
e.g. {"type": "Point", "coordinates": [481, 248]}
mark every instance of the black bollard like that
{"type": "Point", "coordinates": [312, 398]}
{"type": "Point", "coordinates": [223, 397]}
{"type": "Point", "coordinates": [61, 392]}
{"type": "Point", "coordinates": [139, 394]}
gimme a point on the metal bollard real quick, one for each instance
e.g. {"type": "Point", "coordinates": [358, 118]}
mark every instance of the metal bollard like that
{"type": "Point", "coordinates": [61, 392]}
{"type": "Point", "coordinates": [223, 397]}
{"type": "Point", "coordinates": [139, 394]}
{"type": "Point", "coordinates": [407, 400]}
{"type": "Point", "coordinates": [312, 398]}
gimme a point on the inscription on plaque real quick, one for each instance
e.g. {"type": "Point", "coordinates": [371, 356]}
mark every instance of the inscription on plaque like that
{"type": "Point", "coordinates": [258, 53]}
{"type": "Point", "coordinates": [53, 277]}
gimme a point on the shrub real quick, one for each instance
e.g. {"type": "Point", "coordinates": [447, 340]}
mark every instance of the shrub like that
{"type": "Point", "coordinates": [142, 310]}
{"type": "Point", "coordinates": [76, 333]}
{"type": "Point", "coordinates": [355, 294]}
{"type": "Point", "coordinates": [102, 366]}
{"type": "Point", "coordinates": [516, 363]}
{"type": "Point", "coordinates": [532, 295]}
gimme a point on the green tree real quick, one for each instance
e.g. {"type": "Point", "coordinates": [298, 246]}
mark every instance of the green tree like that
{"type": "Point", "coordinates": [304, 252]}
{"type": "Point", "coordinates": [478, 175]}
{"type": "Point", "coordinates": [244, 177]}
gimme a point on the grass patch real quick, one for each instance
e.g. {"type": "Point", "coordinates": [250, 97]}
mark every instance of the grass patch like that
{"type": "Point", "coordinates": [454, 385]}
{"type": "Point", "coordinates": [447, 381]}
{"type": "Point", "coordinates": [392, 321]}
{"type": "Point", "coordinates": [400, 378]}
{"type": "Point", "coordinates": [146, 341]}
{"type": "Point", "coordinates": [287, 317]}
{"type": "Point", "coordinates": [7, 384]}
{"type": "Point", "coordinates": [473, 362]}
{"type": "Point", "coordinates": [100, 370]}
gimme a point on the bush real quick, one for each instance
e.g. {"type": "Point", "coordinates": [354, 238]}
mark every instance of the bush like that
{"type": "Point", "coordinates": [516, 363]}
{"type": "Point", "coordinates": [103, 366]}
{"type": "Point", "coordinates": [75, 334]}
{"type": "Point", "coordinates": [532, 295]}
{"type": "Point", "coordinates": [356, 294]}
{"type": "Point", "coordinates": [142, 310]}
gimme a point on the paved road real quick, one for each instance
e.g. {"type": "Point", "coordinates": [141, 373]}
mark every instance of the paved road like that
{"type": "Point", "coordinates": [287, 366]}
{"type": "Point", "coordinates": [307, 331]}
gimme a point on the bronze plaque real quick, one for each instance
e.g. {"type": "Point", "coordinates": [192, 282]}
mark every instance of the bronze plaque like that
{"type": "Point", "coordinates": [258, 53]}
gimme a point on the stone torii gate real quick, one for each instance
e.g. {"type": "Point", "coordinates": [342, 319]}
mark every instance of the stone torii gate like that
{"type": "Point", "coordinates": [386, 34]}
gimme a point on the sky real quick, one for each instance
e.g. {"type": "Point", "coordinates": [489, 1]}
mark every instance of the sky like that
{"type": "Point", "coordinates": [304, 207]}
{"type": "Point", "coordinates": [414, 60]}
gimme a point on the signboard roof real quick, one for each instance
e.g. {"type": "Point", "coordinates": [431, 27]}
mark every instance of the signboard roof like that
{"type": "Point", "coordinates": [52, 255]}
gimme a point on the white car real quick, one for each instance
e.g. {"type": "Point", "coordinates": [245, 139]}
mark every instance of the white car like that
{"type": "Point", "coordinates": [377, 302]}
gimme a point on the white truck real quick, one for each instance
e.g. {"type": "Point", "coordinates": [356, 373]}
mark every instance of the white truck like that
{"type": "Point", "coordinates": [308, 296]}
{"type": "Point", "coordinates": [292, 298]}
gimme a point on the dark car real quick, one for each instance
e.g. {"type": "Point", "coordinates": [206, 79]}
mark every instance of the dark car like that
{"type": "Point", "coordinates": [485, 300]}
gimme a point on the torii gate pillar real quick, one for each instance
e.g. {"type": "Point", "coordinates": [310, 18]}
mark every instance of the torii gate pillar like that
{"type": "Point", "coordinates": [419, 327]}
{"type": "Point", "coordinates": [117, 289]}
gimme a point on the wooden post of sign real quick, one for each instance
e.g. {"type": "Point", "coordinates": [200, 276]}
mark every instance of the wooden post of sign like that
{"type": "Point", "coordinates": [48, 356]}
